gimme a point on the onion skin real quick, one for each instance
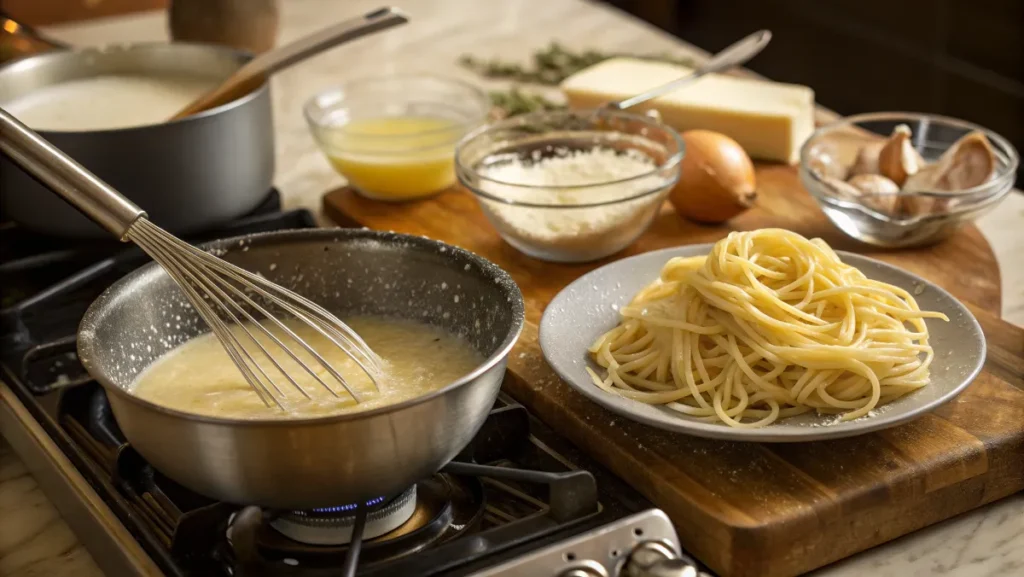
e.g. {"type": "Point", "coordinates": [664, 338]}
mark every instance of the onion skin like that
{"type": "Point", "coordinates": [717, 180]}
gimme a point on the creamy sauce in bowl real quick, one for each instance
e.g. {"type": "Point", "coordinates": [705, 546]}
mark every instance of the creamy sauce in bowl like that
{"type": "Point", "coordinates": [198, 376]}
{"type": "Point", "coordinates": [107, 102]}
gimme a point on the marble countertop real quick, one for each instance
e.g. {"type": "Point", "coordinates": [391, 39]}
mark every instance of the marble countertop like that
{"type": "Point", "coordinates": [34, 540]}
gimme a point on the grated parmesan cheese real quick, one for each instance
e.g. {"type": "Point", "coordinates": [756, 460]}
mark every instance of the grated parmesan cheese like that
{"type": "Point", "coordinates": [571, 167]}
{"type": "Point", "coordinates": [558, 231]}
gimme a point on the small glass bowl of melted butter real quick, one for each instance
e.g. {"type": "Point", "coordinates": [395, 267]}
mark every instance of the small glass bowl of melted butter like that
{"type": "Point", "coordinates": [393, 137]}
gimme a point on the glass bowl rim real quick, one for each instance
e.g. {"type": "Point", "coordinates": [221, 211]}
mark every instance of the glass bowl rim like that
{"type": "Point", "coordinates": [672, 162]}
{"type": "Point", "coordinates": [475, 93]}
{"type": "Point", "coordinates": [991, 188]}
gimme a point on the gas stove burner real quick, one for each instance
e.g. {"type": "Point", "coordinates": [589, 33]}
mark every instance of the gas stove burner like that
{"type": "Point", "coordinates": [446, 506]}
{"type": "Point", "coordinates": [334, 525]}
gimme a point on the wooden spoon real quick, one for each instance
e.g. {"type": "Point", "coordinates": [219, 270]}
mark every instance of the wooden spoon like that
{"type": "Point", "coordinates": [249, 76]}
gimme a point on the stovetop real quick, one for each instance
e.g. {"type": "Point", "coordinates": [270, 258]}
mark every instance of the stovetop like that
{"type": "Point", "coordinates": [516, 489]}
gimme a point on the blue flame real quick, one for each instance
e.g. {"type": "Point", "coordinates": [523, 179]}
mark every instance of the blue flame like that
{"type": "Point", "coordinates": [349, 508]}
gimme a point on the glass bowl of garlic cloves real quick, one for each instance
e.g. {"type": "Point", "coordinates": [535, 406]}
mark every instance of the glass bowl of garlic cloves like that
{"type": "Point", "coordinates": [899, 179]}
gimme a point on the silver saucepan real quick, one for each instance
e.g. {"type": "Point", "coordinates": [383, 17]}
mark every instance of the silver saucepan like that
{"type": "Point", "coordinates": [191, 174]}
{"type": "Point", "coordinates": [324, 461]}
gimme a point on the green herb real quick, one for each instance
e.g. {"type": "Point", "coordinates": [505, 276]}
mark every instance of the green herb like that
{"type": "Point", "coordinates": [516, 101]}
{"type": "Point", "coordinates": [554, 64]}
{"type": "Point", "coordinates": [548, 67]}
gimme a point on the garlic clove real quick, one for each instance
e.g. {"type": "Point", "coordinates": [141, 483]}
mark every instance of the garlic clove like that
{"type": "Point", "coordinates": [874, 184]}
{"type": "Point", "coordinates": [824, 161]}
{"type": "Point", "coordinates": [897, 159]}
{"type": "Point", "coordinates": [970, 162]}
{"type": "Point", "coordinates": [868, 191]}
{"type": "Point", "coordinates": [867, 159]}
{"type": "Point", "coordinates": [914, 206]}
{"type": "Point", "coordinates": [842, 189]}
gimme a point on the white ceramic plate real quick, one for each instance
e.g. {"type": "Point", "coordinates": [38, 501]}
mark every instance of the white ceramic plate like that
{"type": "Point", "coordinates": [584, 310]}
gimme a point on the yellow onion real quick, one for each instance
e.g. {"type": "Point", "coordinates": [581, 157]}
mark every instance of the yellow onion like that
{"type": "Point", "coordinates": [717, 180]}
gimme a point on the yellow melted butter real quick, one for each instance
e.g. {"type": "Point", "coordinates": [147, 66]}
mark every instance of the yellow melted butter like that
{"type": "Point", "coordinates": [199, 377]}
{"type": "Point", "coordinates": [415, 157]}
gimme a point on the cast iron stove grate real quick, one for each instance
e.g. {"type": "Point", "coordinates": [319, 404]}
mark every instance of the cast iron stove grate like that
{"type": "Point", "coordinates": [512, 490]}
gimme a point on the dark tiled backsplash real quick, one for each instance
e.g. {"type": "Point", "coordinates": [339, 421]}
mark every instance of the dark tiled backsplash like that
{"type": "Point", "coordinates": [989, 34]}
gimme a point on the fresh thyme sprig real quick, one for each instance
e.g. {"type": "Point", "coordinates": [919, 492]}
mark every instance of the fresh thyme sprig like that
{"type": "Point", "coordinates": [548, 67]}
{"type": "Point", "coordinates": [553, 64]}
{"type": "Point", "coordinates": [515, 101]}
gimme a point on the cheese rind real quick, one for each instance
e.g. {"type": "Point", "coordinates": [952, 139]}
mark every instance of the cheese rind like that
{"type": "Point", "coordinates": [770, 120]}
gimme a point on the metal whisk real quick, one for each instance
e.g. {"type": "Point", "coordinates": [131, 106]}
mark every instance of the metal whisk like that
{"type": "Point", "coordinates": [223, 294]}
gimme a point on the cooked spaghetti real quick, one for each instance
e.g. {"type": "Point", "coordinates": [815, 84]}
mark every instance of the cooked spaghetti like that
{"type": "Point", "coordinates": [768, 325]}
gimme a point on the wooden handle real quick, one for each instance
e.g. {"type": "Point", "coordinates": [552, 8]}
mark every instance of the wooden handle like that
{"type": "Point", "coordinates": [252, 74]}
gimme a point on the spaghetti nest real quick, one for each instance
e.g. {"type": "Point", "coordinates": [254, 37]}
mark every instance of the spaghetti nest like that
{"type": "Point", "coordinates": [768, 325]}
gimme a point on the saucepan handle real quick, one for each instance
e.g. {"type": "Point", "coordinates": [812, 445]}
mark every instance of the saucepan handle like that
{"type": "Point", "coordinates": [270, 62]}
{"type": "Point", "coordinates": [83, 189]}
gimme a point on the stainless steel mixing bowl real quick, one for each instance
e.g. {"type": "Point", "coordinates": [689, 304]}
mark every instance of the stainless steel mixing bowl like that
{"type": "Point", "coordinates": [341, 459]}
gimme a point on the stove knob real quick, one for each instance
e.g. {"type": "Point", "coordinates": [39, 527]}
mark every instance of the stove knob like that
{"type": "Point", "coordinates": [588, 569]}
{"type": "Point", "coordinates": [656, 559]}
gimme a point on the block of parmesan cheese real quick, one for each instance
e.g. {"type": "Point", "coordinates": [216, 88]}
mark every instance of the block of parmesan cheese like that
{"type": "Point", "coordinates": [770, 120]}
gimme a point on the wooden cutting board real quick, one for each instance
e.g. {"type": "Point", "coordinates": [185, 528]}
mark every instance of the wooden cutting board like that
{"type": "Point", "coordinates": [756, 510]}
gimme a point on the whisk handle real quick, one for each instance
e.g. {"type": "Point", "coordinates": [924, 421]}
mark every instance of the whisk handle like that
{"type": "Point", "coordinates": [83, 189]}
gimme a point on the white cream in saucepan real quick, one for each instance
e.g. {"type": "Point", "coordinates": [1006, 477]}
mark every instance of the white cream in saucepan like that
{"type": "Point", "coordinates": [107, 102]}
{"type": "Point", "coordinates": [199, 377]}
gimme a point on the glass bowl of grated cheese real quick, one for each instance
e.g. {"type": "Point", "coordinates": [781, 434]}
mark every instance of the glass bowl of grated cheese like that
{"type": "Point", "coordinates": [570, 186]}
